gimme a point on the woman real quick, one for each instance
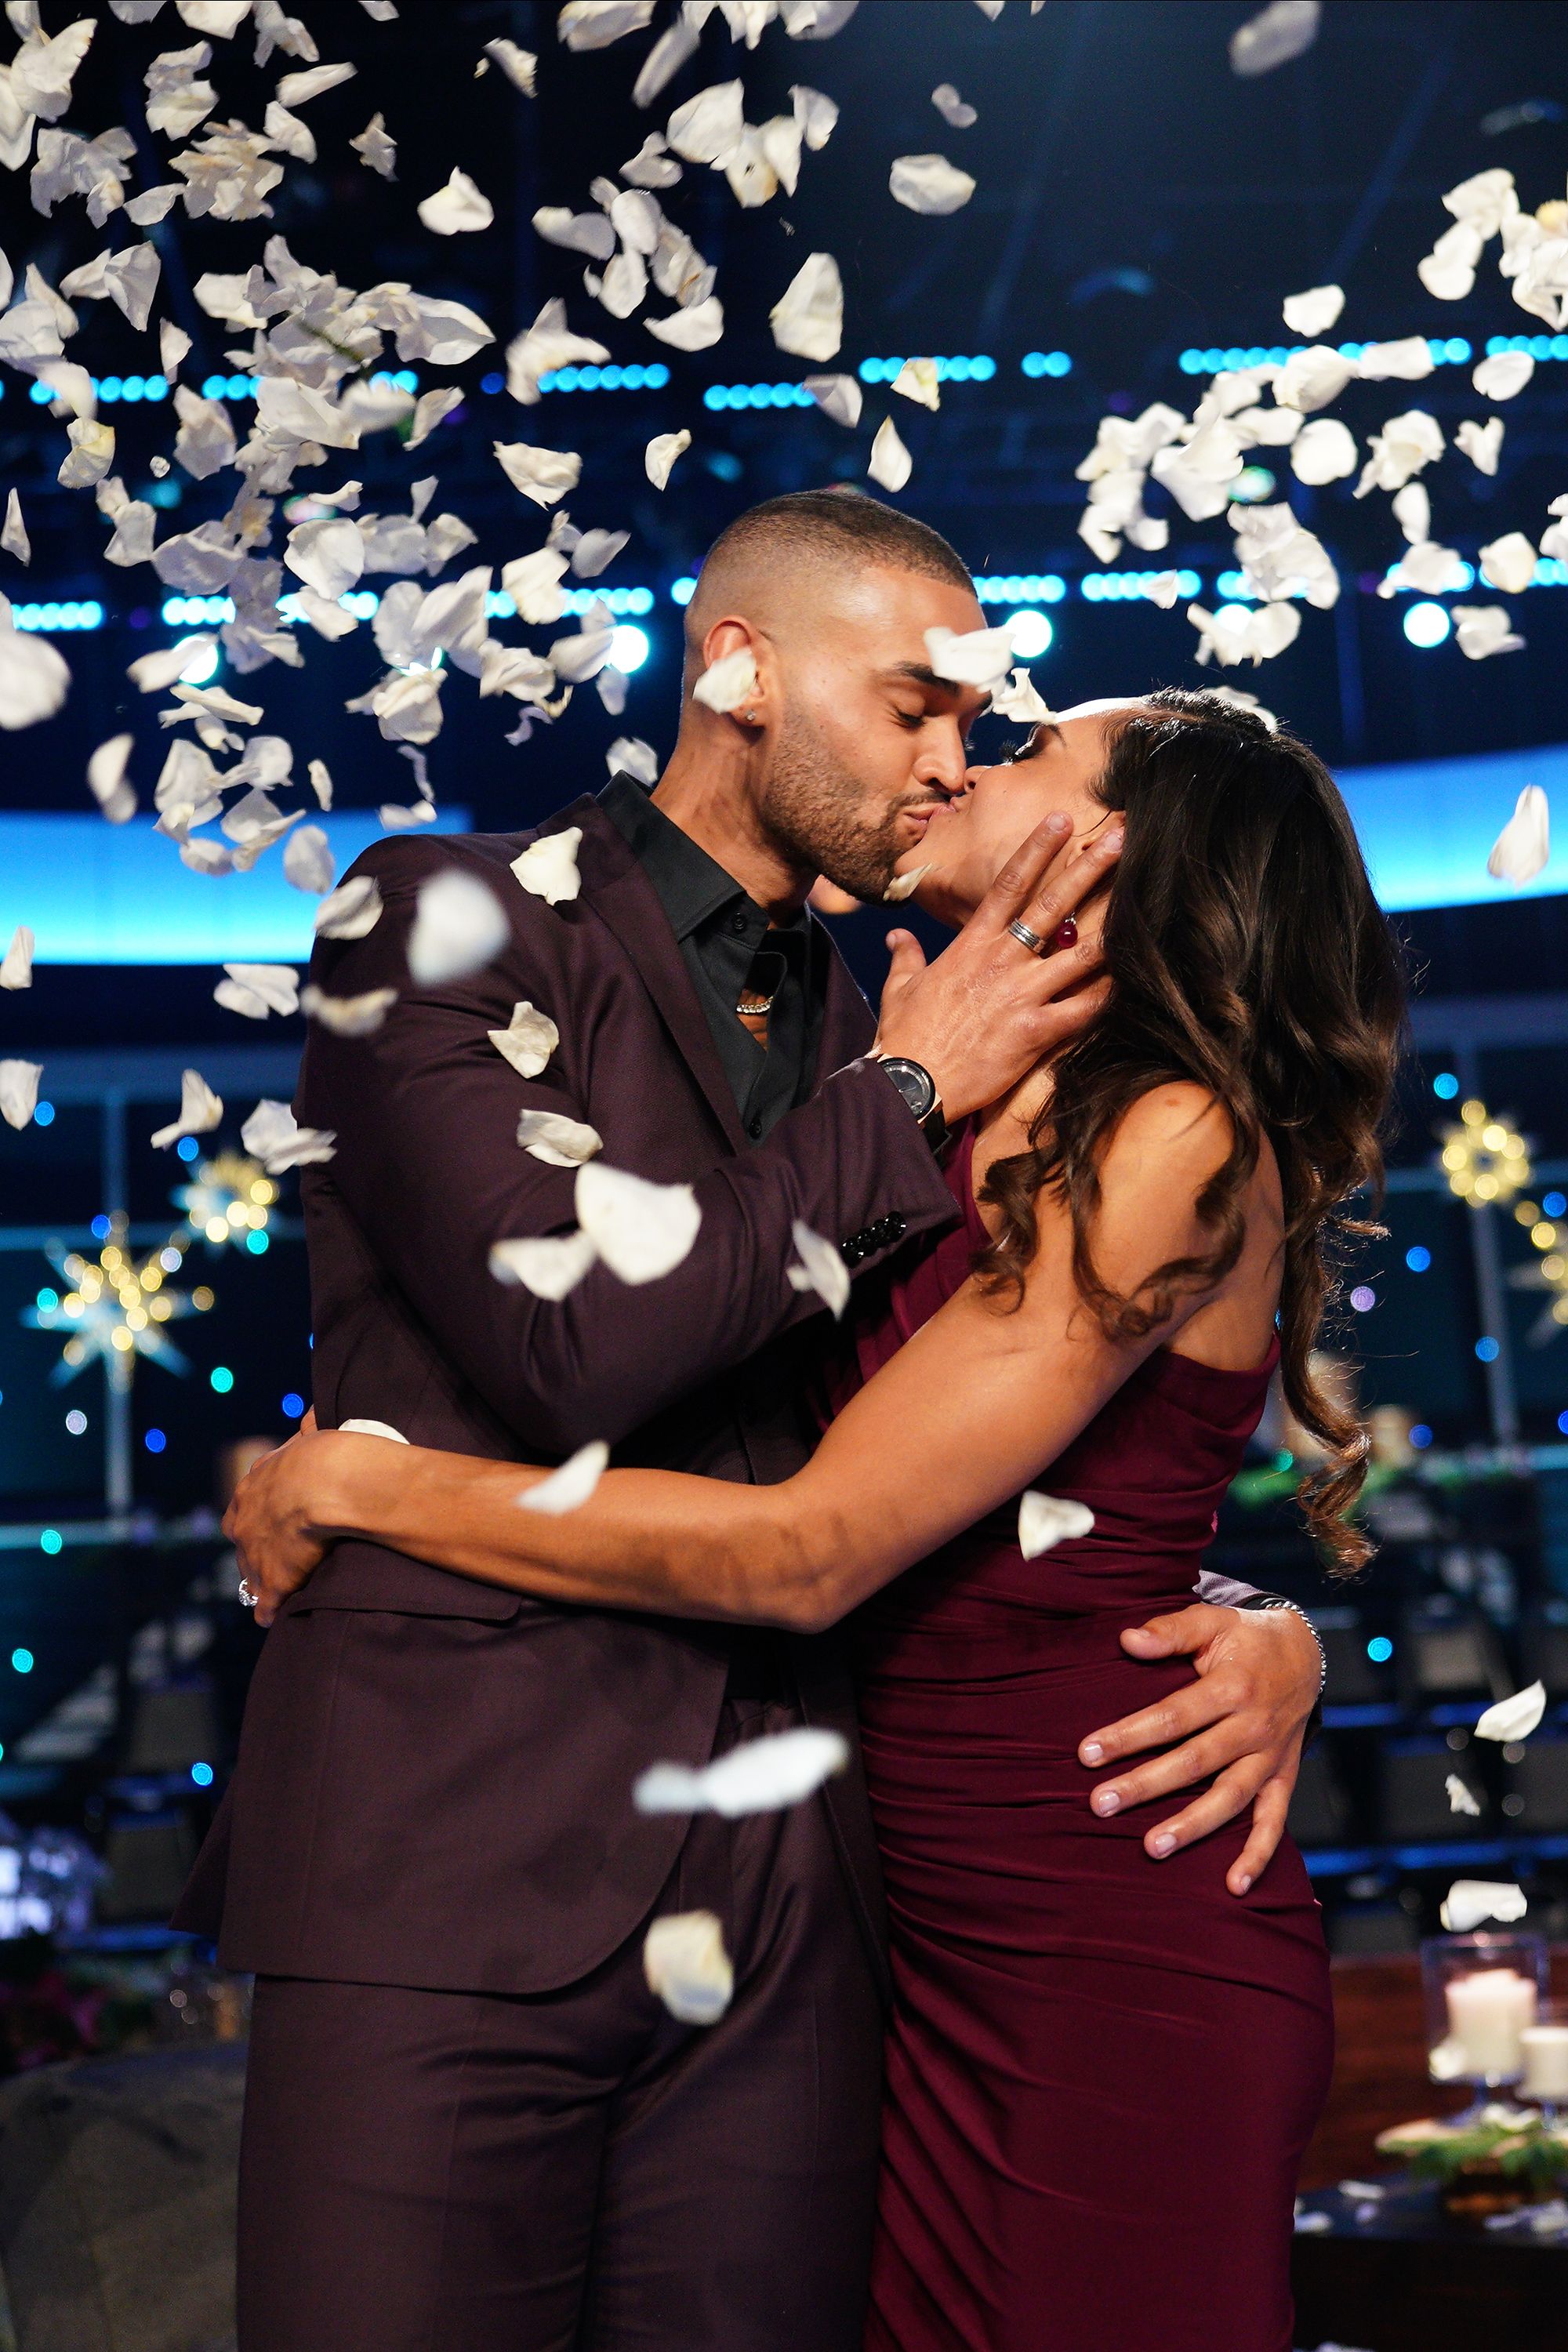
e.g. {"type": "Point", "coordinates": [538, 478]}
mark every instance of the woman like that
{"type": "Point", "coordinates": [1102, 2068]}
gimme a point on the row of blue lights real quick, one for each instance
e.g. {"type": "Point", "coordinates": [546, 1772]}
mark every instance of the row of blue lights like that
{"type": "Point", "coordinates": [978, 369]}
{"type": "Point", "coordinates": [47, 619]}
{"type": "Point", "coordinates": [1112, 587]}
{"type": "Point", "coordinates": [110, 388]}
{"type": "Point", "coordinates": [1020, 587]}
{"type": "Point", "coordinates": [211, 612]}
{"type": "Point", "coordinates": [649, 376]}
{"type": "Point", "coordinates": [757, 395]}
{"type": "Point", "coordinates": [1448, 351]}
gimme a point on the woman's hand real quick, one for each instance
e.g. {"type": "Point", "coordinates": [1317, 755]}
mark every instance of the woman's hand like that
{"type": "Point", "coordinates": [279, 1522]}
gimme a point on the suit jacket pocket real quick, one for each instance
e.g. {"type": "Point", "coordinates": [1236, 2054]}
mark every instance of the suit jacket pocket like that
{"type": "Point", "coordinates": [356, 1575]}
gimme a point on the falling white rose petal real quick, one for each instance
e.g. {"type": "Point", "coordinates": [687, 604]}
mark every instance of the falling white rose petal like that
{"type": "Point", "coordinates": [951, 108]}
{"type": "Point", "coordinates": [725, 684]}
{"type": "Point", "coordinates": [1281, 32]}
{"type": "Point", "coordinates": [629, 755]}
{"type": "Point", "coordinates": [308, 860]}
{"type": "Point", "coordinates": [273, 1135]}
{"type": "Point", "coordinates": [686, 1967]}
{"type": "Point", "coordinates": [376, 149]}
{"type": "Point", "coordinates": [543, 475]}
{"type": "Point", "coordinates": [548, 1266]}
{"type": "Point", "coordinates": [1471, 1900]}
{"type": "Point", "coordinates": [257, 990]}
{"type": "Point", "coordinates": [1408, 360]}
{"type": "Point", "coordinates": [1508, 563]}
{"type": "Point", "coordinates": [695, 330]}
{"type": "Point", "coordinates": [661, 454]}
{"type": "Point", "coordinates": [596, 551]}
{"type": "Point", "coordinates": [1461, 1799]}
{"type": "Point", "coordinates": [930, 183]}
{"type": "Point", "coordinates": [1413, 512]}
{"type": "Point", "coordinates": [761, 1776]}
{"type": "Point", "coordinates": [298, 88]}
{"type": "Point", "coordinates": [1482, 443]}
{"type": "Point", "coordinates": [1044, 1521]}
{"type": "Point", "coordinates": [34, 677]}
{"type": "Point", "coordinates": [1482, 630]}
{"type": "Point", "coordinates": [548, 867]}
{"type": "Point", "coordinates": [1524, 844]}
{"type": "Point", "coordinates": [1310, 379]}
{"type": "Point", "coordinates": [979, 658]}
{"type": "Point", "coordinates": [890, 463]}
{"type": "Point", "coordinates": [1515, 1718]}
{"type": "Point", "coordinates": [200, 1112]}
{"type": "Point", "coordinates": [838, 397]}
{"type": "Point", "coordinates": [527, 1040]}
{"type": "Point", "coordinates": [816, 114]}
{"type": "Point", "coordinates": [1323, 451]}
{"type": "Point", "coordinates": [518, 65]}
{"type": "Point", "coordinates": [568, 1489]}
{"type": "Point", "coordinates": [808, 317]}
{"type": "Point", "coordinates": [14, 538]}
{"type": "Point", "coordinates": [1311, 314]}
{"type": "Point", "coordinates": [152, 673]}
{"type": "Point", "coordinates": [459, 926]}
{"type": "Point", "coordinates": [19, 1091]}
{"type": "Point", "coordinates": [1019, 699]}
{"type": "Point", "coordinates": [1503, 374]}
{"type": "Point", "coordinates": [16, 966]}
{"type": "Point", "coordinates": [558, 1141]}
{"type": "Point", "coordinates": [106, 779]}
{"type": "Point", "coordinates": [595, 24]}
{"type": "Point", "coordinates": [642, 1231]}
{"type": "Point", "coordinates": [327, 555]}
{"type": "Point", "coordinates": [348, 1016]}
{"type": "Point", "coordinates": [917, 380]}
{"type": "Point", "coordinates": [706, 128]}
{"type": "Point", "coordinates": [821, 1268]}
{"type": "Point", "coordinates": [456, 209]}
{"type": "Point", "coordinates": [353, 909]}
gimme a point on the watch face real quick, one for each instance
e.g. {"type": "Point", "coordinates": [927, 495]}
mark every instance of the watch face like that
{"type": "Point", "coordinates": [915, 1084]}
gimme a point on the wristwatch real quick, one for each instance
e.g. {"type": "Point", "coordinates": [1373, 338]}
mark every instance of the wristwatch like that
{"type": "Point", "coordinates": [917, 1088]}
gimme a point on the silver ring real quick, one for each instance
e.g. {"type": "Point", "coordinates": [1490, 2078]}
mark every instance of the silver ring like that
{"type": "Point", "coordinates": [1026, 938]}
{"type": "Point", "coordinates": [248, 1598]}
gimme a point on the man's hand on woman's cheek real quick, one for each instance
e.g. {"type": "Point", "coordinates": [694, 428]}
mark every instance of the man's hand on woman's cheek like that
{"type": "Point", "coordinates": [1239, 1725]}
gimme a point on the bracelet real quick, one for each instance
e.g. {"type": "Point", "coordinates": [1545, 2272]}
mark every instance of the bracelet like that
{"type": "Point", "coordinates": [1278, 1600]}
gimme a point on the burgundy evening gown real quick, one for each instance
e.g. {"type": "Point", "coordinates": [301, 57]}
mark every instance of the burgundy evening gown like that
{"type": "Point", "coordinates": [1102, 2070]}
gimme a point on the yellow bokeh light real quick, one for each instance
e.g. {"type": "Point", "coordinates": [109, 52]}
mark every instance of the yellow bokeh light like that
{"type": "Point", "coordinates": [1494, 1137]}
{"type": "Point", "coordinates": [1543, 1235]}
{"type": "Point", "coordinates": [121, 1341]}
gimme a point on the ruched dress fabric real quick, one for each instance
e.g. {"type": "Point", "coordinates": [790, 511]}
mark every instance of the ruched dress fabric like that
{"type": "Point", "coordinates": [1102, 2069]}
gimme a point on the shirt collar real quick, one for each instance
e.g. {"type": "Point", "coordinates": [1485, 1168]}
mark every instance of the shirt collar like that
{"type": "Point", "coordinates": [690, 885]}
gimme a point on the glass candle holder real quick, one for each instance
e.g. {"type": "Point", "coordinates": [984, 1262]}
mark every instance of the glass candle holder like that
{"type": "Point", "coordinates": [1483, 1992]}
{"type": "Point", "coordinates": [1544, 2052]}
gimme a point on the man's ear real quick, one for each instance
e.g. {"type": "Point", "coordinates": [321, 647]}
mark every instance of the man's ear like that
{"type": "Point", "coordinates": [736, 634]}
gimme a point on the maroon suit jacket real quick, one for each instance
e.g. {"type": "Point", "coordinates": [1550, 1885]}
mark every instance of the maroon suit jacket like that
{"type": "Point", "coordinates": [434, 1782]}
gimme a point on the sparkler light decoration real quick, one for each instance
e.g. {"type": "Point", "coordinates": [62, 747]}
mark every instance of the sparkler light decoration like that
{"type": "Point", "coordinates": [116, 1310]}
{"type": "Point", "coordinates": [230, 1202]}
{"type": "Point", "coordinates": [1484, 1160]}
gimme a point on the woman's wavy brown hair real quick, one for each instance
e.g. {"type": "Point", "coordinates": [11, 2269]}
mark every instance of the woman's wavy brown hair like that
{"type": "Point", "coordinates": [1246, 953]}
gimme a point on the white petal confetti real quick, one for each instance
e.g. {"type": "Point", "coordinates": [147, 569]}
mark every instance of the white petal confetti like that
{"type": "Point", "coordinates": [951, 108]}
{"type": "Point", "coordinates": [1311, 314]}
{"type": "Point", "coordinates": [456, 209]}
{"type": "Point", "coordinates": [629, 755]}
{"type": "Point", "coordinates": [548, 867]}
{"type": "Point", "coordinates": [543, 475]}
{"type": "Point", "coordinates": [917, 380]}
{"type": "Point", "coordinates": [694, 329]}
{"type": "Point", "coordinates": [34, 677]}
{"type": "Point", "coordinates": [558, 1141]}
{"type": "Point", "coordinates": [838, 397]}
{"type": "Point", "coordinates": [1523, 846]}
{"type": "Point", "coordinates": [595, 24]}
{"type": "Point", "coordinates": [308, 860]}
{"type": "Point", "coordinates": [761, 1776]}
{"type": "Point", "coordinates": [658, 457]}
{"type": "Point", "coordinates": [459, 926]}
{"type": "Point", "coordinates": [1409, 360]}
{"type": "Point", "coordinates": [548, 1266]}
{"type": "Point", "coordinates": [1508, 563]}
{"type": "Point", "coordinates": [1483, 630]}
{"type": "Point", "coordinates": [708, 127]}
{"type": "Point", "coordinates": [904, 886]}
{"type": "Point", "coordinates": [327, 555]}
{"type": "Point", "coordinates": [19, 1091]}
{"type": "Point", "coordinates": [14, 538]}
{"type": "Point", "coordinates": [348, 1016]}
{"type": "Point", "coordinates": [1044, 1521]}
{"type": "Point", "coordinates": [200, 1112]}
{"type": "Point", "coordinates": [568, 1489]}
{"type": "Point", "coordinates": [257, 988]}
{"type": "Point", "coordinates": [1515, 1718]}
{"type": "Point", "coordinates": [1019, 699]}
{"type": "Point", "coordinates": [518, 65]}
{"type": "Point", "coordinates": [1471, 1900]}
{"type": "Point", "coordinates": [1323, 451]}
{"type": "Point", "coordinates": [725, 684]}
{"type": "Point", "coordinates": [890, 463]}
{"type": "Point", "coordinates": [1482, 443]}
{"type": "Point", "coordinates": [979, 658]}
{"type": "Point", "coordinates": [642, 1231]}
{"type": "Point", "coordinates": [527, 1040]}
{"type": "Point", "coordinates": [1281, 32]}
{"type": "Point", "coordinates": [272, 1135]}
{"type": "Point", "coordinates": [298, 88]}
{"type": "Point", "coordinates": [1461, 1799]}
{"type": "Point", "coordinates": [106, 779]}
{"type": "Point", "coordinates": [353, 909]}
{"type": "Point", "coordinates": [821, 1268]}
{"type": "Point", "coordinates": [930, 183]}
{"type": "Point", "coordinates": [17, 965]}
{"type": "Point", "coordinates": [816, 114]}
{"type": "Point", "coordinates": [376, 149]}
{"type": "Point", "coordinates": [686, 1966]}
{"type": "Point", "coordinates": [808, 317]}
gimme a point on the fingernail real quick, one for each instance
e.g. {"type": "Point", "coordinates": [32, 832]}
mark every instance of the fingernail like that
{"type": "Point", "coordinates": [1092, 1752]}
{"type": "Point", "coordinates": [1057, 823]}
{"type": "Point", "coordinates": [1105, 1802]}
{"type": "Point", "coordinates": [1114, 840]}
{"type": "Point", "coordinates": [1163, 1845]}
{"type": "Point", "coordinates": [1243, 1885]}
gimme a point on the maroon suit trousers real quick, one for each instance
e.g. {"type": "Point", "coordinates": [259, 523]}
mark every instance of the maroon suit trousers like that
{"type": "Point", "coordinates": [575, 2171]}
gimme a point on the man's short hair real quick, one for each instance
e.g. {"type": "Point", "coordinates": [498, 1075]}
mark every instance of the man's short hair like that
{"type": "Point", "coordinates": [838, 526]}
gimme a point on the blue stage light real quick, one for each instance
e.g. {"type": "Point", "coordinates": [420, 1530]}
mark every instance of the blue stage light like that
{"type": "Point", "coordinates": [629, 648]}
{"type": "Point", "coordinates": [1032, 635]}
{"type": "Point", "coordinates": [1555, 1204]}
{"type": "Point", "coordinates": [1445, 1086]}
{"type": "Point", "coordinates": [682, 590]}
{"type": "Point", "coordinates": [221, 1379]}
{"type": "Point", "coordinates": [1426, 624]}
{"type": "Point", "coordinates": [201, 1774]}
{"type": "Point", "coordinates": [1488, 1350]}
{"type": "Point", "coordinates": [1420, 1437]}
{"type": "Point", "coordinates": [294, 1406]}
{"type": "Point", "coordinates": [1418, 1259]}
{"type": "Point", "coordinates": [23, 1659]}
{"type": "Point", "coordinates": [154, 1441]}
{"type": "Point", "coordinates": [43, 1114]}
{"type": "Point", "coordinates": [1379, 1649]}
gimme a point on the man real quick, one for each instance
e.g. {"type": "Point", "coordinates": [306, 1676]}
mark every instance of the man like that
{"type": "Point", "coordinates": [469, 2122]}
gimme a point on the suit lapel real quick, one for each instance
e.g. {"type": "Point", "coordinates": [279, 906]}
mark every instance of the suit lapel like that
{"type": "Point", "coordinates": [620, 894]}
{"type": "Point", "coordinates": [849, 1023]}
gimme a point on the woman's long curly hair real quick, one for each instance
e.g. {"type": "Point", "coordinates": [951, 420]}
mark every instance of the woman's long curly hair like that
{"type": "Point", "coordinates": [1246, 953]}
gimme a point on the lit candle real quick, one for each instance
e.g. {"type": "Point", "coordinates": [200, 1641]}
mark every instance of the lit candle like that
{"type": "Point", "coordinates": [1487, 2012]}
{"type": "Point", "coordinates": [1545, 2051]}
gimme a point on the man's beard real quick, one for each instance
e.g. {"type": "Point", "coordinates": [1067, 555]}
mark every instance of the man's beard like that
{"type": "Point", "coordinates": [813, 812]}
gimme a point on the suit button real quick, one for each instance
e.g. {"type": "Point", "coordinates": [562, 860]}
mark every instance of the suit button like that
{"type": "Point", "coordinates": [754, 1128]}
{"type": "Point", "coordinates": [896, 1226]}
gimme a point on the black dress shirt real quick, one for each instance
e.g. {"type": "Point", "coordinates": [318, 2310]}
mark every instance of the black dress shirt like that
{"type": "Point", "coordinates": [730, 947]}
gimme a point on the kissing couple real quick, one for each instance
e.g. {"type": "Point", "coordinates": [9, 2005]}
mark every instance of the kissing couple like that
{"type": "Point", "coordinates": [1025, 2040]}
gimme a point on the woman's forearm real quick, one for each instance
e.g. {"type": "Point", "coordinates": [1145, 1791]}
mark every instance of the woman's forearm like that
{"type": "Point", "coordinates": [650, 1539]}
